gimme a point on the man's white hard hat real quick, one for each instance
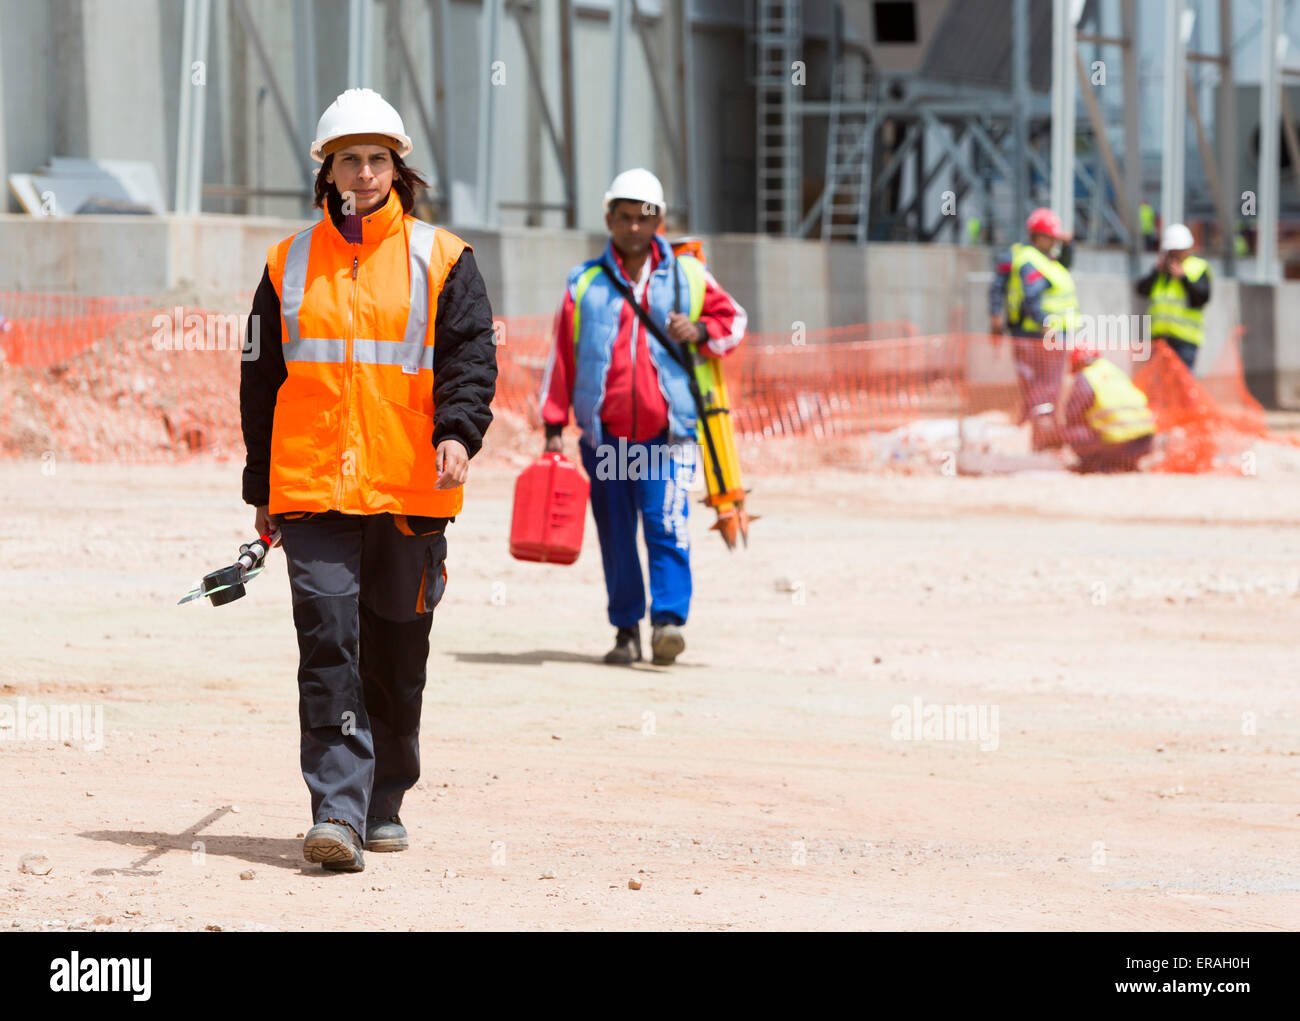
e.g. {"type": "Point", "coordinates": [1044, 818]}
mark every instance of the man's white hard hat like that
{"type": "Point", "coordinates": [359, 112]}
{"type": "Point", "coordinates": [637, 185]}
{"type": "Point", "coordinates": [1177, 238]}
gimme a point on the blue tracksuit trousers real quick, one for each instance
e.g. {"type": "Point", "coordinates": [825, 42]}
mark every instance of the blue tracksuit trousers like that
{"type": "Point", "coordinates": [651, 479]}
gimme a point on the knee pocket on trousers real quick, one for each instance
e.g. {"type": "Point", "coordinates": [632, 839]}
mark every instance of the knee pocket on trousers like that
{"type": "Point", "coordinates": [435, 578]}
{"type": "Point", "coordinates": [325, 709]}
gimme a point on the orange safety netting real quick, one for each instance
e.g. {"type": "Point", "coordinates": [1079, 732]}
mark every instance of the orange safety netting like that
{"type": "Point", "coordinates": [96, 379]}
{"type": "Point", "coordinates": [1205, 424]}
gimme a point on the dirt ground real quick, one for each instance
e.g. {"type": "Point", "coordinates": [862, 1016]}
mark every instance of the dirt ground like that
{"type": "Point", "coordinates": [1136, 638]}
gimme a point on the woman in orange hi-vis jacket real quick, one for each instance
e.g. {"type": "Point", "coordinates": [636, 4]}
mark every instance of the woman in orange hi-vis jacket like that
{"type": "Point", "coordinates": [365, 397]}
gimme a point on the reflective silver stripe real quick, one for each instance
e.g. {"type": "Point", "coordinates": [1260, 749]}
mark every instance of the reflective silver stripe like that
{"type": "Point", "coordinates": [411, 353]}
{"type": "Point", "coordinates": [295, 281]}
{"type": "Point", "coordinates": [333, 351]}
{"type": "Point", "coordinates": [417, 320]}
{"type": "Point", "coordinates": [326, 350]}
{"type": "Point", "coordinates": [390, 352]}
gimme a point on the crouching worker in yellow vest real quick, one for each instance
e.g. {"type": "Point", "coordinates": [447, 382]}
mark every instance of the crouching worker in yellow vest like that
{"type": "Point", "coordinates": [364, 400]}
{"type": "Point", "coordinates": [1103, 417]}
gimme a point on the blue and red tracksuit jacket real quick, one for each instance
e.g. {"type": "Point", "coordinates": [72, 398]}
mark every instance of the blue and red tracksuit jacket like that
{"type": "Point", "coordinates": [622, 377]}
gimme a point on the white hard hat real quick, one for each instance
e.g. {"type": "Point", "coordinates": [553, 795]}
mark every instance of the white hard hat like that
{"type": "Point", "coordinates": [359, 112]}
{"type": "Point", "coordinates": [639, 186]}
{"type": "Point", "coordinates": [1176, 238]}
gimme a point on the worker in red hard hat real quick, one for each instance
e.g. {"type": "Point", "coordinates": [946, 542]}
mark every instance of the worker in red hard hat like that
{"type": "Point", "coordinates": [1103, 416]}
{"type": "Point", "coordinates": [1032, 297]}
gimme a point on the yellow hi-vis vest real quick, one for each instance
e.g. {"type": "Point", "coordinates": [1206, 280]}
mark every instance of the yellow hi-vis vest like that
{"type": "Point", "coordinates": [1119, 409]}
{"type": "Point", "coordinates": [1058, 300]}
{"type": "Point", "coordinates": [1170, 314]}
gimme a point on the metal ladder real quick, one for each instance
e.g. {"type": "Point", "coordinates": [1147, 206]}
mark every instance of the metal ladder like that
{"type": "Point", "coordinates": [849, 140]}
{"type": "Point", "coordinates": [777, 34]}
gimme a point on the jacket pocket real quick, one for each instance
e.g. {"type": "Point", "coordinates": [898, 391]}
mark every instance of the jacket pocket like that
{"type": "Point", "coordinates": [406, 459]}
{"type": "Point", "coordinates": [299, 432]}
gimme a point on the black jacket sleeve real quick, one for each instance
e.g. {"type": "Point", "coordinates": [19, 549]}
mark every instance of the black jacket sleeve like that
{"type": "Point", "coordinates": [1198, 292]}
{"type": "Point", "coordinates": [261, 371]}
{"type": "Point", "coordinates": [1147, 282]}
{"type": "Point", "coordinates": [464, 358]}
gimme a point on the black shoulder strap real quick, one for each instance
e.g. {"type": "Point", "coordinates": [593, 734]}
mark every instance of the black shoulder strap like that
{"type": "Point", "coordinates": [685, 360]}
{"type": "Point", "coordinates": [679, 356]}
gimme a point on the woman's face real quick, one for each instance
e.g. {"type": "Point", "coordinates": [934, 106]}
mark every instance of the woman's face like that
{"type": "Point", "coordinates": [363, 173]}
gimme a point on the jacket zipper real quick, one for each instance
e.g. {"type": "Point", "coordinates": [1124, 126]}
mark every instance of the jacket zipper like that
{"type": "Point", "coordinates": [635, 322]}
{"type": "Point", "coordinates": [347, 382]}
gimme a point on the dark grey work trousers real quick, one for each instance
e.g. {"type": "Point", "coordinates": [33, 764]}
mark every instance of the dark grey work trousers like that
{"type": "Point", "coordinates": [364, 588]}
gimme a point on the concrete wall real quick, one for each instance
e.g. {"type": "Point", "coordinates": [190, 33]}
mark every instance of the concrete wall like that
{"type": "Point", "coordinates": [211, 257]}
{"type": "Point", "coordinates": [779, 281]}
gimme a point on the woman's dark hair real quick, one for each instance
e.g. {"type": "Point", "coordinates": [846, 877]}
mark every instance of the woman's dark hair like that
{"type": "Point", "coordinates": [405, 182]}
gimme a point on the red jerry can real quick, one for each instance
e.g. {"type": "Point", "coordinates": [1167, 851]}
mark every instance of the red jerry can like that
{"type": "Point", "coordinates": [550, 510]}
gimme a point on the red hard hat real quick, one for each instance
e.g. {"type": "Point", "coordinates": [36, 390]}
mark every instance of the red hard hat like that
{"type": "Point", "coordinates": [1044, 221]}
{"type": "Point", "coordinates": [1082, 355]}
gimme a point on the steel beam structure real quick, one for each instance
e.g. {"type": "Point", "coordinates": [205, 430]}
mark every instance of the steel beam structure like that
{"type": "Point", "coordinates": [1174, 134]}
{"type": "Point", "coordinates": [1064, 47]}
{"type": "Point", "coordinates": [1271, 42]}
{"type": "Point", "coordinates": [487, 110]}
{"type": "Point", "coordinates": [192, 107]}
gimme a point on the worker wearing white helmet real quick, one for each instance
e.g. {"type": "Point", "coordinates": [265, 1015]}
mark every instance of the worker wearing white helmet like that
{"type": "Point", "coordinates": [631, 397]}
{"type": "Point", "coordinates": [369, 393]}
{"type": "Point", "coordinates": [1178, 289]}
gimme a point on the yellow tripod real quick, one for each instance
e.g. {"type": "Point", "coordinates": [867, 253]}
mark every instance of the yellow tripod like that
{"type": "Point", "coordinates": [726, 494]}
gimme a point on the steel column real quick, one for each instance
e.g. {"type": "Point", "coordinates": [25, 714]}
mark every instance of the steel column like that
{"type": "Point", "coordinates": [487, 108]}
{"type": "Point", "coordinates": [567, 101]}
{"type": "Point", "coordinates": [360, 25]}
{"type": "Point", "coordinates": [1174, 134]}
{"type": "Point", "coordinates": [1132, 139]}
{"type": "Point", "coordinates": [1064, 46]}
{"type": "Point", "coordinates": [618, 63]}
{"type": "Point", "coordinates": [1020, 106]}
{"type": "Point", "coordinates": [192, 109]}
{"type": "Point", "coordinates": [1225, 116]}
{"type": "Point", "coordinates": [1267, 198]}
{"type": "Point", "coordinates": [304, 66]}
{"type": "Point", "coordinates": [440, 46]}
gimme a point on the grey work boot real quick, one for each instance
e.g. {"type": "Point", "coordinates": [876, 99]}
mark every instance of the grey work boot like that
{"type": "Point", "coordinates": [627, 646]}
{"type": "Point", "coordinates": [385, 834]}
{"type": "Point", "coordinates": [335, 845]}
{"type": "Point", "coordinates": [667, 643]}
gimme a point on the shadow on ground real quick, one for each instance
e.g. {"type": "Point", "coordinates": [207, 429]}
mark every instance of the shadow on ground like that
{"type": "Point", "coordinates": [282, 853]}
{"type": "Point", "coordinates": [540, 656]}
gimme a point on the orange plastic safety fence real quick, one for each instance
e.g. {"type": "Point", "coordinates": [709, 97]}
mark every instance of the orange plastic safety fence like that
{"type": "Point", "coordinates": [831, 380]}
{"type": "Point", "coordinates": [116, 379]}
{"type": "Point", "coordinates": [1205, 424]}
{"type": "Point", "coordinates": [94, 379]}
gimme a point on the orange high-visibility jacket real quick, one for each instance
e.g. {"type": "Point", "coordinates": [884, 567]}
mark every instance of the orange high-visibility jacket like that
{"type": "Point", "coordinates": [353, 427]}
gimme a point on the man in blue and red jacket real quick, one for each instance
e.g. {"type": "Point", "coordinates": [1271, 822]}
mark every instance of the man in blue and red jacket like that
{"type": "Point", "coordinates": [631, 397]}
